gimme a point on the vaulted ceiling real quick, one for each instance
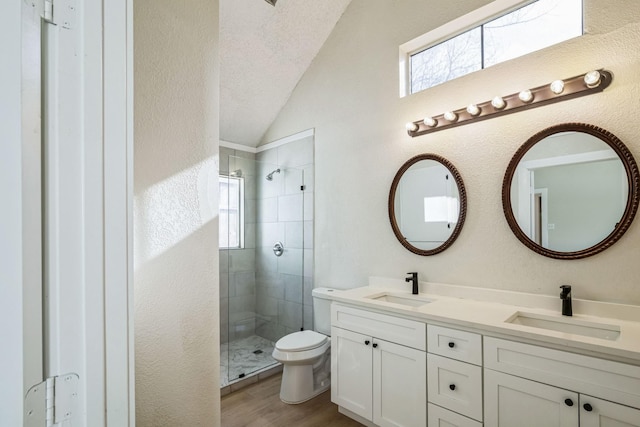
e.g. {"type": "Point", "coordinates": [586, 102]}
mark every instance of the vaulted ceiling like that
{"type": "Point", "coordinates": [264, 51]}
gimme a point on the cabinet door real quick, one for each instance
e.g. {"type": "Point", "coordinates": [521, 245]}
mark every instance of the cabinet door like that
{"type": "Point", "coordinates": [512, 401]}
{"type": "Point", "coordinates": [351, 371]}
{"type": "Point", "coordinates": [601, 413]}
{"type": "Point", "coordinates": [399, 385]}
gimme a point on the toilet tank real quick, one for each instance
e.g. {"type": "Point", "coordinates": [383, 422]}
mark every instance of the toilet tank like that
{"type": "Point", "coordinates": [322, 310]}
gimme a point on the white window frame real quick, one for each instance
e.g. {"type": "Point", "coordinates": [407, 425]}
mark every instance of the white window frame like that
{"type": "Point", "coordinates": [241, 208]}
{"type": "Point", "coordinates": [449, 30]}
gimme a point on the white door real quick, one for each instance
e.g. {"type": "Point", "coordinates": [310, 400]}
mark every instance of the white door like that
{"type": "Point", "coordinates": [65, 174]}
{"type": "Point", "coordinates": [87, 173]}
{"type": "Point", "coordinates": [515, 402]}
{"type": "Point", "coordinates": [399, 385]}
{"type": "Point", "coordinates": [351, 371]}
{"type": "Point", "coordinates": [601, 413]}
{"type": "Point", "coordinates": [20, 219]}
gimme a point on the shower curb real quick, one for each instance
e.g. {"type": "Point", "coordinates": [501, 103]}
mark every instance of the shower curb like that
{"type": "Point", "coordinates": [252, 379]}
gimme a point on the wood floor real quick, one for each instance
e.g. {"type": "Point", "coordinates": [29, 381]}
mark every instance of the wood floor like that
{"type": "Point", "coordinates": [259, 405]}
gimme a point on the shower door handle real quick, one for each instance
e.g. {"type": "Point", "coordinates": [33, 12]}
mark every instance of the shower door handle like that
{"type": "Point", "coordinates": [278, 249]}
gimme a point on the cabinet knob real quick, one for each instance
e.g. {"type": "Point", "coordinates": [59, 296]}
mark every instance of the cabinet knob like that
{"type": "Point", "coordinates": [568, 402]}
{"type": "Point", "coordinates": [587, 407]}
{"type": "Point", "coordinates": [452, 344]}
{"type": "Point", "coordinates": [375, 345]}
{"type": "Point", "coordinates": [452, 387]}
{"type": "Point", "coordinates": [367, 342]}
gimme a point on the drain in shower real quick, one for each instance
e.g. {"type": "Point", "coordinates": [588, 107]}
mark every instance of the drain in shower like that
{"type": "Point", "coordinates": [257, 352]}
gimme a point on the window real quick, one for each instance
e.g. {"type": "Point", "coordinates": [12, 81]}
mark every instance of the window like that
{"type": "Point", "coordinates": [231, 212]}
{"type": "Point", "coordinates": [486, 37]}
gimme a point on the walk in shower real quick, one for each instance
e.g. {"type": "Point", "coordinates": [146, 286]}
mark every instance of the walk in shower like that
{"type": "Point", "coordinates": [262, 242]}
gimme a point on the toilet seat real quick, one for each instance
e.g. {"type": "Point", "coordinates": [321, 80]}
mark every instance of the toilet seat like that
{"type": "Point", "coordinates": [301, 341]}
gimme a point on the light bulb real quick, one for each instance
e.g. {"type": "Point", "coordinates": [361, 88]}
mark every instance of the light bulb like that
{"type": "Point", "coordinates": [451, 116]}
{"type": "Point", "coordinates": [430, 121]}
{"type": "Point", "coordinates": [525, 96]}
{"type": "Point", "coordinates": [411, 127]}
{"type": "Point", "coordinates": [557, 87]}
{"type": "Point", "coordinates": [473, 109]}
{"type": "Point", "coordinates": [592, 78]}
{"type": "Point", "coordinates": [498, 103]}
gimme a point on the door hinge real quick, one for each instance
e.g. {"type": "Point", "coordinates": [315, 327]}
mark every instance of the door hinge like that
{"type": "Point", "coordinates": [63, 13]}
{"type": "Point", "coordinates": [52, 401]}
{"type": "Point", "coordinates": [47, 13]}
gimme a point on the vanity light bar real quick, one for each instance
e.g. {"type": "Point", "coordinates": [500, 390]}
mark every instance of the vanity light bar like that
{"type": "Point", "coordinates": [556, 91]}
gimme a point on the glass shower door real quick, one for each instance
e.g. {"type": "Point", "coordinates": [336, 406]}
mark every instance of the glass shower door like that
{"type": "Point", "coordinates": [262, 293]}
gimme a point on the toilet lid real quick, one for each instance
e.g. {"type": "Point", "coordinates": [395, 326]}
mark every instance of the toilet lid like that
{"type": "Point", "coordinates": [301, 341]}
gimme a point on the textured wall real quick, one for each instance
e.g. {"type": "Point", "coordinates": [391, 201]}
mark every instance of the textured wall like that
{"type": "Point", "coordinates": [350, 96]}
{"type": "Point", "coordinates": [175, 213]}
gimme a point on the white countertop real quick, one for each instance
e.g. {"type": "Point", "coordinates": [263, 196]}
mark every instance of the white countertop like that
{"type": "Point", "coordinates": [488, 310]}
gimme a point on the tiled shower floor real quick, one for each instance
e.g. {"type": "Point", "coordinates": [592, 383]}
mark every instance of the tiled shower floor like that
{"type": "Point", "coordinates": [245, 355]}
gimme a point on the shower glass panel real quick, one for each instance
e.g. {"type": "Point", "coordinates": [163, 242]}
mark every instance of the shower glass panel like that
{"type": "Point", "coordinates": [261, 252]}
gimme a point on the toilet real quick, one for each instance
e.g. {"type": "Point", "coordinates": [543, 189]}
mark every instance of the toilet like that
{"type": "Point", "coordinates": [306, 355]}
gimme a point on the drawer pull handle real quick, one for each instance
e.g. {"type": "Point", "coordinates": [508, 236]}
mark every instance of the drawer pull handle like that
{"type": "Point", "coordinates": [452, 387]}
{"type": "Point", "coordinates": [568, 402]}
{"type": "Point", "coordinates": [367, 342]}
{"type": "Point", "coordinates": [587, 407]}
{"type": "Point", "coordinates": [375, 345]}
{"type": "Point", "coordinates": [452, 344]}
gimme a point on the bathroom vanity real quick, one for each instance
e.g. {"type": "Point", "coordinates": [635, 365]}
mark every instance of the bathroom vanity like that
{"type": "Point", "coordinates": [472, 357]}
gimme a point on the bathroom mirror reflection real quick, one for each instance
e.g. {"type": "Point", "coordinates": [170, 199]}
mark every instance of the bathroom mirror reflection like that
{"type": "Point", "coordinates": [427, 204]}
{"type": "Point", "coordinates": [571, 191]}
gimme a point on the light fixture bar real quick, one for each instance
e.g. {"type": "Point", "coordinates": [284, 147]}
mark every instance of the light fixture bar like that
{"type": "Point", "coordinates": [556, 91]}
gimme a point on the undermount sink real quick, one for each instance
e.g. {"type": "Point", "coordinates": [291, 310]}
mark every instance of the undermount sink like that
{"type": "Point", "coordinates": [567, 325]}
{"type": "Point", "coordinates": [409, 300]}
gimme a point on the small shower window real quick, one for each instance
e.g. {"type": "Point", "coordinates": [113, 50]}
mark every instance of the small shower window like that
{"type": "Point", "coordinates": [231, 212]}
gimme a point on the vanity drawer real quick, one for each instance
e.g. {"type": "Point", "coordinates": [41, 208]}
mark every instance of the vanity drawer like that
{"type": "Point", "coordinates": [459, 345]}
{"type": "Point", "coordinates": [455, 385]}
{"type": "Point", "coordinates": [614, 381]}
{"type": "Point", "coordinates": [440, 417]}
{"type": "Point", "coordinates": [390, 328]}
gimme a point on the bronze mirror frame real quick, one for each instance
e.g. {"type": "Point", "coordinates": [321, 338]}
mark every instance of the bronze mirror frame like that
{"type": "Point", "coordinates": [633, 197]}
{"type": "Point", "coordinates": [462, 212]}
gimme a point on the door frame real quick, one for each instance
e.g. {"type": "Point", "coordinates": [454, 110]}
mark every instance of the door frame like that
{"type": "Point", "coordinates": [105, 128]}
{"type": "Point", "coordinates": [12, 310]}
{"type": "Point", "coordinates": [526, 184]}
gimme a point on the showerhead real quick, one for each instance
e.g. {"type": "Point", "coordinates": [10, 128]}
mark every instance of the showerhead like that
{"type": "Point", "coordinates": [271, 2]}
{"type": "Point", "coordinates": [270, 176]}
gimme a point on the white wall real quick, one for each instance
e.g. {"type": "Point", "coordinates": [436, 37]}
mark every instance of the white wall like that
{"type": "Point", "coordinates": [175, 213]}
{"type": "Point", "coordinates": [582, 197]}
{"type": "Point", "coordinates": [350, 96]}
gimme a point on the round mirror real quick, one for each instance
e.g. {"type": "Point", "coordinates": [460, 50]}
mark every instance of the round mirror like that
{"type": "Point", "coordinates": [570, 191]}
{"type": "Point", "coordinates": [427, 204]}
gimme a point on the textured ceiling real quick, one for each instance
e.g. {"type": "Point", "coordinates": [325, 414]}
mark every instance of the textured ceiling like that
{"type": "Point", "coordinates": [264, 51]}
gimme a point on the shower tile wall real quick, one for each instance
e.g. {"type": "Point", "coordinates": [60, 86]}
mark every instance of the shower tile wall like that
{"type": "Point", "coordinates": [238, 266]}
{"type": "Point", "coordinates": [285, 213]}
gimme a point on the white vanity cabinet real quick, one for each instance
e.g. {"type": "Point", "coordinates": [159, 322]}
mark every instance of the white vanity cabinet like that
{"type": "Point", "coordinates": [395, 371]}
{"type": "Point", "coordinates": [526, 385]}
{"type": "Point", "coordinates": [378, 366]}
{"type": "Point", "coordinates": [454, 377]}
